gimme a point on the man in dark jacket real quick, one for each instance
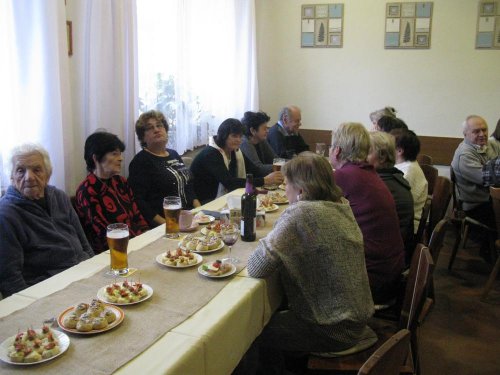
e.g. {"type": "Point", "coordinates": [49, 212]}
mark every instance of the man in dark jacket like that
{"type": "Point", "coordinates": [284, 136]}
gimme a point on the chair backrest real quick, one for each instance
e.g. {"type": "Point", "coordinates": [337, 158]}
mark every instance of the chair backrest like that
{"type": "Point", "coordinates": [419, 236]}
{"type": "Point", "coordinates": [437, 239]}
{"type": "Point", "coordinates": [495, 198]}
{"type": "Point", "coordinates": [440, 201]}
{"type": "Point", "coordinates": [431, 174]}
{"type": "Point", "coordinates": [457, 205]}
{"type": "Point", "coordinates": [424, 159]}
{"type": "Point", "coordinates": [388, 359]}
{"type": "Point", "coordinates": [415, 294]}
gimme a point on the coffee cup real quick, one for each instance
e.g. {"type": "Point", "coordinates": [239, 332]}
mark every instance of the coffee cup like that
{"type": "Point", "coordinates": [185, 219]}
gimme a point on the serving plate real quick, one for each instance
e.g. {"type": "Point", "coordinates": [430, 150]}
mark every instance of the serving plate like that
{"type": "Point", "coordinates": [101, 295]}
{"type": "Point", "coordinates": [207, 274]}
{"type": "Point", "coordinates": [160, 257]}
{"type": "Point", "coordinates": [120, 315]}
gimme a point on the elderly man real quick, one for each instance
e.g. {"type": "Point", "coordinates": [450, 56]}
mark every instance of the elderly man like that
{"type": "Point", "coordinates": [373, 207]}
{"type": "Point", "coordinates": [284, 136]}
{"type": "Point", "coordinates": [470, 157]}
{"type": "Point", "coordinates": [40, 234]}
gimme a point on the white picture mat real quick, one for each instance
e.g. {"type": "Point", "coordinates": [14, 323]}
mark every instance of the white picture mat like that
{"type": "Point", "coordinates": [392, 25]}
{"type": "Point", "coordinates": [422, 24]}
{"type": "Point", "coordinates": [335, 25]}
{"type": "Point", "coordinates": [307, 26]}
{"type": "Point", "coordinates": [486, 24]}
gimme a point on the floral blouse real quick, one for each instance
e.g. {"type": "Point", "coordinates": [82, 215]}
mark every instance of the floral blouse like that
{"type": "Point", "coordinates": [102, 202]}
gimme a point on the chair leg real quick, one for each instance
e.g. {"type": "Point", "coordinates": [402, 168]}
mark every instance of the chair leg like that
{"type": "Point", "coordinates": [458, 239]}
{"type": "Point", "coordinates": [465, 234]}
{"type": "Point", "coordinates": [491, 279]}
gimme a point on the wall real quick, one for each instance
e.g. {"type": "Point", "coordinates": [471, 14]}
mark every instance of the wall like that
{"type": "Point", "coordinates": [433, 90]}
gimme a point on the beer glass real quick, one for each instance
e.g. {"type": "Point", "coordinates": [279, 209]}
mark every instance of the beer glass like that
{"type": "Point", "coordinates": [172, 207]}
{"type": "Point", "coordinates": [320, 149]}
{"type": "Point", "coordinates": [117, 235]}
{"type": "Point", "coordinates": [278, 163]}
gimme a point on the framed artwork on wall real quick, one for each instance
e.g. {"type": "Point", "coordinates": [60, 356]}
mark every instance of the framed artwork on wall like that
{"type": "Point", "coordinates": [408, 25]}
{"type": "Point", "coordinates": [488, 25]}
{"type": "Point", "coordinates": [322, 26]}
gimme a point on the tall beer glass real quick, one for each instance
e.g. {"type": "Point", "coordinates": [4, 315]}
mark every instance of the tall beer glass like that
{"type": "Point", "coordinates": [278, 163]}
{"type": "Point", "coordinates": [172, 207]}
{"type": "Point", "coordinates": [117, 236]}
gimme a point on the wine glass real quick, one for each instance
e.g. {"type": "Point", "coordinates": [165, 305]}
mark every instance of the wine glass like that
{"type": "Point", "coordinates": [230, 234]}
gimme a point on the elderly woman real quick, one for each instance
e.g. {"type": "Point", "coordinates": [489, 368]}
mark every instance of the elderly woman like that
{"type": "Point", "coordinates": [382, 156]}
{"type": "Point", "coordinates": [373, 207]}
{"type": "Point", "coordinates": [254, 145]}
{"type": "Point", "coordinates": [40, 234]}
{"type": "Point", "coordinates": [104, 197]}
{"type": "Point", "coordinates": [322, 266]}
{"type": "Point", "coordinates": [157, 171]}
{"type": "Point", "coordinates": [221, 166]}
{"type": "Point", "coordinates": [407, 149]}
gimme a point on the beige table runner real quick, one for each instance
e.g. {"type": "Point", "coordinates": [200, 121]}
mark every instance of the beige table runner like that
{"type": "Point", "coordinates": [178, 293]}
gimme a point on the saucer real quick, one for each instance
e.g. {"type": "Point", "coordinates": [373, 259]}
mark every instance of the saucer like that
{"type": "Point", "coordinates": [192, 228]}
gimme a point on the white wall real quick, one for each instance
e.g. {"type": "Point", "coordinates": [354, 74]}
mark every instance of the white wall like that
{"type": "Point", "coordinates": [433, 89]}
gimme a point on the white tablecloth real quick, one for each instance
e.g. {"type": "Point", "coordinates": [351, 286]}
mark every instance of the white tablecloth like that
{"type": "Point", "coordinates": [212, 341]}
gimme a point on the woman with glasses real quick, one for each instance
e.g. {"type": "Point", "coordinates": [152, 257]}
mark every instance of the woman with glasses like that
{"type": "Point", "coordinates": [158, 171]}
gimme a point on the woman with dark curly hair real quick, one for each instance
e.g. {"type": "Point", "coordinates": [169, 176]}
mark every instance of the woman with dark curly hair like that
{"type": "Point", "coordinates": [104, 197]}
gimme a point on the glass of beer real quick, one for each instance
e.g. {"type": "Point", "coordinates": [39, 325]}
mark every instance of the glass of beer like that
{"type": "Point", "coordinates": [278, 163]}
{"type": "Point", "coordinates": [117, 236]}
{"type": "Point", "coordinates": [172, 207]}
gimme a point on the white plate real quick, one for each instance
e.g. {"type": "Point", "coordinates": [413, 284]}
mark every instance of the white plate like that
{"type": "Point", "coordinates": [101, 295]}
{"type": "Point", "coordinates": [192, 228]}
{"type": "Point", "coordinates": [221, 246]}
{"type": "Point", "coordinates": [159, 259]}
{"type": "Point", "coordinates": [60, 336]}
{"type": "Point", "coordinates": [273, 208]}
{"type": "Point", "coordinates": [120, 315]}
{"type": "Point", "coordinates": [206, 219]}
{"type": "Point", "coordinates": [206, 274]}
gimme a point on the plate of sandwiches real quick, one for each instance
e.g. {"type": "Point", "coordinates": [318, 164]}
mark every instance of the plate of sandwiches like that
{"type": "Point", "coordinates": [208, 244]}
{"type": "Point", "coordinates": [179, 258]}
{"type": "Point", "coordinates": [217, 269]}
{"type": "Point", "coordinates": [89, 319]}
{"type": "Point", "coordinates": [125, 293]}
{"type": "Point", "coordinates": [34, 346]}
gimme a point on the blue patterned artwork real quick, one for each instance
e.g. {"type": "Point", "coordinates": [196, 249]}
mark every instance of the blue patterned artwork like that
{"type": "Point", "coordinates": [408, 25]}
{"type": "Point", "coordinates": [488, 25]}
{"type": "Point", "coordinates": [322, 25]}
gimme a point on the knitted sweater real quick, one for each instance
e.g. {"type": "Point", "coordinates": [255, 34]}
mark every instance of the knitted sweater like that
{"type": "Point", "coordinates": [321, 265]}
{"type": "Point", "coordinates": [103, 202]}
{"type": "Point", "coordinates": [467, 164]}
{"type": "Point", "coordinates": [36, 243]}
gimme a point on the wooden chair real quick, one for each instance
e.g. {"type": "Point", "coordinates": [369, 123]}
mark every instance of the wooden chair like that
{"type": "Point", "coordinates": [415, 296]}
{"type": "Point", "coordinates": [461, 222]}
{"type": "Point", "coordinates": [424, 159]}
{"type": "Point", "coordinates": [495, 197]}
{"type": "Point", "coordinates": [440, 202]}
{"type": "Point", "coordinates": [420, 235]}
{"type": "Point", "coordinates": [431, 174]}
{"type": "Point", "coordinates": [388, 359]}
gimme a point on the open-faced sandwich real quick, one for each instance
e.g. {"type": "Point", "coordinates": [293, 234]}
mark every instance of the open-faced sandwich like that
{"type": "Point", "coordinates": [217, 268]}
{"type": "Point", "coordinates": [33, 346]}
{"type": "Point", "coordinates": [125, 292]}
{"type": "Point", "coordinates": [179, 258]}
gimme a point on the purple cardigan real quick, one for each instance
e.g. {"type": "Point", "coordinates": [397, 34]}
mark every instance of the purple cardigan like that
{"type": "Point", "coordinates": [375, 211]}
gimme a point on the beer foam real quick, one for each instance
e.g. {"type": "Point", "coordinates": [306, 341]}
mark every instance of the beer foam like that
{"type": "Point", "coordinates": [172, 207]}
{"type": "Point", "coordinates": [118, 233]}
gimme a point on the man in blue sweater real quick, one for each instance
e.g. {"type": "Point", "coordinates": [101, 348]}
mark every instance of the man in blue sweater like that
{"type": "Point", "coordinates": [40, 234]}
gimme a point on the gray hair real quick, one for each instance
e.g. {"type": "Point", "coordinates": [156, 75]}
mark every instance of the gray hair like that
{"type": "Point", "coordinates": [28, 149]}
{"type": "Point", "coordinates": [384, 145]}
{"type": "Point", "coordinates": [465, 124]}
{"type": "Point", "coordinates": [285, 111]}
{"type": "Point", "coordinates": [353, 140]}
{"type": "Point", "coordinates": [378, 114]}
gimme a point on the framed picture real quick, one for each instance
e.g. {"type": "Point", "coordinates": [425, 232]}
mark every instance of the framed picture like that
{"type": "Point", "coordinates": [69, 37]}
{"type": "Point", "coordinates": [488, 8]}
{"type": "Point", "coordinates": [422, 40]}
{"type": "Point", "coordinates": [322, 25]}
{"type": "Point", "coordinates": [488, 25]}
{"type": "Point", "coordinates": [307, 11]}
{"type": "Point", "coordinates": [393, 10]}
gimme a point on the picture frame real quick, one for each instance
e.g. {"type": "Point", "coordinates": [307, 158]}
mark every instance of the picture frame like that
{"type": "Point", "coordinates": [393, 10]}
{"type": "Point", "coordinates": [488, 25]}
{"type": "Point", "coordinates": [488, 8]}
{"type": "Point", "coordinates": [322, 25]}
{"type": "Point", "coordinates": [69, 37]}
{"type": "Point", "coordinates": [408, 25]}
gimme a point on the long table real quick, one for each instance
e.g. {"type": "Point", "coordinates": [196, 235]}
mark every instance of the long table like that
{"type": "Point", "coordinates": [213, 340]}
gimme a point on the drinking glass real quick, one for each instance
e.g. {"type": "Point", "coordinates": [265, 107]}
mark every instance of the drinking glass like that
{"type": "Point", "coordinates": [172, 207]}
{"type": "Point", "coordinates": [230, 234]}
{"type": "Point", "coordinates": [118, 235]}
{"type": "Point", "coordinates": [278, 163]}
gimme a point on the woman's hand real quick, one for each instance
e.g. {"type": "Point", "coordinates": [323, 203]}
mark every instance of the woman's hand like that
{"type": "Point", "coordinates": [275, 178]}
{"type": "Point", "coordinates": [196, 203]}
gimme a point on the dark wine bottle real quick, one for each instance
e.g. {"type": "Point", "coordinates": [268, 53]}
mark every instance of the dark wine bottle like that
{"type": "Point", "coordinates": [248, 211]}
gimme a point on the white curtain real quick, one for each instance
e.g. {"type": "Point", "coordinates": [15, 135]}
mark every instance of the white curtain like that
{"type": "Point", "coordinates": [104, 71]}
{"type": "Point", "coordinates": [35, 83]}
{"type": "Point", "coordinates": [207, 48]}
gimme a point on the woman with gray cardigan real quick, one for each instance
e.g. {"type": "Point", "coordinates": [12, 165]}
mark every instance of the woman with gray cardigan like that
{"type": "Point", "coordinates": [317, 247]}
